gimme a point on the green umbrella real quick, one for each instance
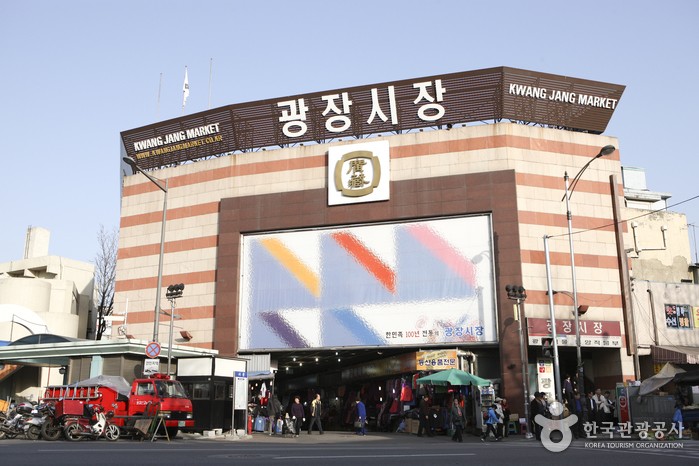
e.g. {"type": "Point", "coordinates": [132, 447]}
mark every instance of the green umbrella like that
{"type": "Point", "coordinates": [453, 377]}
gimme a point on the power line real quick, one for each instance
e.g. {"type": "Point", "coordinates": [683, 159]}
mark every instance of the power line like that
{"type": "Point", "coordinates": [651, 212]}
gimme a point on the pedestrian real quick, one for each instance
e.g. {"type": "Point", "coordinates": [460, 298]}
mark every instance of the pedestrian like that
{"type": "Point", "coordinates": [610, 408]}
{"type": "Point", "coordinates": [490, 424]}
{"type": "Point", "coordinates": [297, 415]}
{"type": "Point", "coordinates": [578, 431]}
{"type": "Point", "coordinates": [677, 419]}
{"type": "Point", "coordinates": [424, 413]}
{"type": "Point", "coordinates": [316, 411]}
{"type": "Point", "coordinates": [568, 393]}
{"type": "Point", "coordinates": [274, 410]}
{"type": "Point", "coordinates": [360, 421]}
{"type": "Point", "coordinates": [590, 410]}
{"type": "Point", "coordinates": [537, 407]}
{"type": "Point", "coordinates": [602, 407]}
{"type": "Point", "coordinates": [507, 413]}
{"type": "Point", "coordinates": [457, 419]}
{"type": "Point", "coordinates": [500, 415]}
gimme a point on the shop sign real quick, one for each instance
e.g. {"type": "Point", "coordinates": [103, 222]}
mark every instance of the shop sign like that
{"type": "Point", "coordinates": [445, 100]}
{"type": "Point", "coordinates": [544, 377]}
{"type": "Point", "coordinates": [593, 333]}
{"type": "Point", "coordinates": [436, 360]}
{"type": "Point", "coordinates": [358, 173]}
{"type": "Point", "coordinates": [695, 313]}
{"type": "Point", "coordinates": [151, 366]}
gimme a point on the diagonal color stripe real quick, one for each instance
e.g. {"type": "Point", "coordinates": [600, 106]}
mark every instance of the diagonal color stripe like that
{"type": "Point", "coordinates": [361, 329]}
{"type": "Point", "coordinates": [293, 264]}
{"type": "Point", "coordinates": [445, 252]}
{"type": "Point", "coordinates": [367, 259]}
{"type": "Point", "coordinates": [285, 331]}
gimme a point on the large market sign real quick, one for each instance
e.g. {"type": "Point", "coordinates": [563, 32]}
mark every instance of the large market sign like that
{"type": "Point", "coordinates": [443, 100]}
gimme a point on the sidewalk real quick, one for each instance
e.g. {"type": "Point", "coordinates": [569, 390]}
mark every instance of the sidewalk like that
{"type": "Point", "coordinates": [342, 437]}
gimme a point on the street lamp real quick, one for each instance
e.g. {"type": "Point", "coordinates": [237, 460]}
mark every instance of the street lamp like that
{"type": "Point", "coordinates": [606, 150]}
{"type": "Point", "coordinates": [552, 318]}
{"type": "Point", "coordinates": [519, 294]}
{"type": "Point", "coordinates": [173, 292]}
{"type": "Point", "coordinates": [163, 187]}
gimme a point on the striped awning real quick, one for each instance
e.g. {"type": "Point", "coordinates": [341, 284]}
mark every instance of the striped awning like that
{"type": "Point", "coordinates": [675, 354]}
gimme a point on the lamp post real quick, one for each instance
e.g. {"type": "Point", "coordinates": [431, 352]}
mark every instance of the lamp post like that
{"type": "Point", "coordinates": [173, 292]}
{"type": "Point", "coordinates": [552, 318]}
{"type": "Point", "coordinates": [163, 187]}
{"type": "Point", "coordinates": [606, 150]}
{"type": "Point", "coordinates": [519, 294]}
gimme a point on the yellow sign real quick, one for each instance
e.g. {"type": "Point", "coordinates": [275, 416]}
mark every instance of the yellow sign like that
{"type": "Point", "coordinates": [695, 313]}
{"type": "Point", "coordinates": [436, 360]}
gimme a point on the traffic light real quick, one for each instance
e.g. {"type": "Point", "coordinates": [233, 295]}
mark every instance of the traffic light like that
{"type": "Point", "coordinates": [174, 291]}
{"type": "Point", "coordinates": [547, 347]}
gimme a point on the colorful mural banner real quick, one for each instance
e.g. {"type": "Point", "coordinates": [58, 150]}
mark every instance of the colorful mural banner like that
{"type": "Point", "coordinates": [427, 282]}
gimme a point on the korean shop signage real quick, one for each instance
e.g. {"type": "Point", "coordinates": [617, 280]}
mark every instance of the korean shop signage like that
{"type": "Point", "coordinates": [436, 360]}
{"type": "Point", "coordinates": [442, 101]}
{"type": "Point", "coordinates": [358, 173]}
{"type": "Point", "coordinates": [593, 333]}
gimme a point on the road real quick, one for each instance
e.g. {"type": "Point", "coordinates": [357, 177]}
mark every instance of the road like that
{"type": "Point", "coordinates": [336, 448]}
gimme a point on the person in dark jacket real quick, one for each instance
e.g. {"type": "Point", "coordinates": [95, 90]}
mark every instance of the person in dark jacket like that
{"type": "Point", "coordinates": [316, 411]}
{"type": "Point", "coordinates": [274, 410]}
{"type": "Point", "coordinates": [457, 418]}
{"type": "Point", "coordinates": [537, 406]}
{"type": "Point", "coordinates": [297, 415]}
{"type": "Point", "coordinates": [424, 412]}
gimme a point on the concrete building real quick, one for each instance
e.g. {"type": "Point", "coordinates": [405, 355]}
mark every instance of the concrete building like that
{"type": "Point", "coordinates": [41, 294]}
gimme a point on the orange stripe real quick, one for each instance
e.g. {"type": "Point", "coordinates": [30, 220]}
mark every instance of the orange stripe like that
{"type": "Point", "coordinates": [563, 258]}
{"type": "Point", "coordinates": [293, 264]}
{"type": "Point", "coordinates": [187, 313]}
{"type": "Point", "coordinates": [170, 247]}
{"type": "Point", "coordinates": [151, 282]}
{"type": "Point", "coordinates": [367, 259]}
{"type": "Point", "coordinates": [560, 220]}
{"type": "Point", "coordinates": [413, 150]}
{"type": "Point", "coordinates": [172, 214]}
{"type": "Point", "coordinates": [593, 300]}
{"type": "Point", "coordinates": [301, 163]}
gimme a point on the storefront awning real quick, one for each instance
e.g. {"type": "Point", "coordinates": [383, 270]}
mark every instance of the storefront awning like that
{"type": "Point", "coordinates": [675, 354]}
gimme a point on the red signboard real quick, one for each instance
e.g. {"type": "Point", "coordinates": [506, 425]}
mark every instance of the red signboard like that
{"type": "Point", "coordinates": [593, 333]}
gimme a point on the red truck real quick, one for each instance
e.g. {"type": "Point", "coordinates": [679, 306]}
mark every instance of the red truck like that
{"type": "Point", "coordinates": [158, 394]}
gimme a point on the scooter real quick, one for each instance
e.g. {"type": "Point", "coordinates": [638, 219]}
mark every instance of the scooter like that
{"type": "Point", "coordinates": [82, 427]}
{"type": "Point", "coordinates": [24, 419]}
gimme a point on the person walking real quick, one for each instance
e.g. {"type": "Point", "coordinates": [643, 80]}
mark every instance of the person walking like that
{"type": "Point", "coordinates": [316, 411]}
{"type": "Point", "coordinates": [507, 413]}
{"type": "Point", "coordinates": [602, 408]}
{"type": "Point", "coordinates": [501, 416]}
{"type": "Point", "coordinates": [457, 419]}
{"type": "Point", "coordinates": [274, 410]}
{"type": "Point", "coordinates": [490, 425]}
{"type": "Point", "coordinates": [360, 422]}
{"type": "Point", "coordinates": [537, 407]}
{"type": "Point", "coordinates": [424, 413]}
{"type": "Point", "coordinates": [297, 415]}
{"type": "Point", "coordinates": [577, 409]}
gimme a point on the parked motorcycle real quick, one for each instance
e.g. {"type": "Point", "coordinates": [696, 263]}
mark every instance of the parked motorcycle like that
{"type": "Point", "coordinates": [25, 420]}
{"type": "Point", "coordinates": [83, 428]}
{"type": "Point", "coordinates": [52, 427]}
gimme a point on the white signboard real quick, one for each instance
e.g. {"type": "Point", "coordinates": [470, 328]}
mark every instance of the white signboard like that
{"type": "Point", "coordinates": [240, 400]}
{"type": "Point", "coordinates": [151, 366]}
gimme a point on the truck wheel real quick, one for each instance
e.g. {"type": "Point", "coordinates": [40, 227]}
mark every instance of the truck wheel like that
{"type": "Point", "coordinates": [51, 429]}
{"type": "Point", "coordinates": [73, 431]}
{"type": "Point", "coordinates": [172, 432]}
{"type": "Point", "coordinates": [33, 432]}
{"type": "Point", "coordinates": [112, 432]}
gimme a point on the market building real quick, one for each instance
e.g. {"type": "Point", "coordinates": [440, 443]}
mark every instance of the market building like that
{"type": "Point", "coordinates": [349, 240]}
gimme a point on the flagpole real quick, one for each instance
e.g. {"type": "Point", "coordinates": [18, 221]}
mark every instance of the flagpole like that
{"type": "Point", "coordinates": [211, 65]}
{"type": "Point", "coordinates": [160, 86]}
{"type": "Point", "coordinates": [185, 89]}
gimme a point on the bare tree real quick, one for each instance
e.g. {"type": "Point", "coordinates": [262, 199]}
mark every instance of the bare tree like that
{"type": "Point", "coordinates": [105, 275]}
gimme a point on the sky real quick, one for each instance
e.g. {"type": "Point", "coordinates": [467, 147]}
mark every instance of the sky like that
{"type": "Point", "coordinates": [75, 74]}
